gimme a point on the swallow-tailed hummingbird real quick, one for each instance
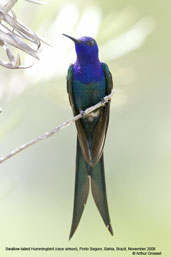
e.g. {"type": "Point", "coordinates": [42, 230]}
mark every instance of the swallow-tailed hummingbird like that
{"type": "Point", "coordinates": [88, 82]}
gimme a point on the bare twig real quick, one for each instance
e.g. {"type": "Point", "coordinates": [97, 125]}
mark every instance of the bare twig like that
{"type": "Point", "coordinates": [55, 130]}
{"type": "Point", "coordinates": [6, 5]}
{"type": "Point", "coordinates": [36, 2]}
{"type": "Point", "coordinates": [15, 33]}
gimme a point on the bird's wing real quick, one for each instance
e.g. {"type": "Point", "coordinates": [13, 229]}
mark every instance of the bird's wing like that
{"type": "Point", "coordinates": [108, 78]}
{"type": "Point", "coordinates": [102, 125]}
{"type": "Point", "coordinates": [69, 87]}
{"type": "Point", "coordinates": [81, 134]}
{"type": "Point", "coordinates": [92, 155]}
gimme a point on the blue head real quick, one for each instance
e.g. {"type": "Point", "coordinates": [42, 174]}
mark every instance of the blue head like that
{"type": "Point", "coordinates": [86, 49]}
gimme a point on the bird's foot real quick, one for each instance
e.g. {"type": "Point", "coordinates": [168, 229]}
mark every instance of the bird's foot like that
{"type": "Point", "coordinates": [103, 102]}
{"type": "Point", "coordinates": [82, 114]}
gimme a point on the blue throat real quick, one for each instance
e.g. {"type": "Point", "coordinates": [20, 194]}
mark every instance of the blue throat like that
{"type": "Point", "coordinates": [88, 71]}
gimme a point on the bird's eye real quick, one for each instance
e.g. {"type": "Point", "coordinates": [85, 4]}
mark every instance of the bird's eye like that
{"type": "Point", "coordinates": [90, 43]}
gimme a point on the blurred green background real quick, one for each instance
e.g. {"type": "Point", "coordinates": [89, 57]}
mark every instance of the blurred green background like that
{"type": "Point", "coordinates": [37, 185]}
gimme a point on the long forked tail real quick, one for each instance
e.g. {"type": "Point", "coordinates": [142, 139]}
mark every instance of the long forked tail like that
{"type": "Point", "coordinates": [81, 189]}
{"type": "Point", "coordinates": [96, 173]}
{"type": "Point", "coordinates": [98, 188]}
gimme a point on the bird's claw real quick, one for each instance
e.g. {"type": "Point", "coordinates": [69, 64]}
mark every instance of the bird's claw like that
{"type": "Point", "coordinates": [103, 102]}
{"type": "Point", "coordinates": [82, 114]}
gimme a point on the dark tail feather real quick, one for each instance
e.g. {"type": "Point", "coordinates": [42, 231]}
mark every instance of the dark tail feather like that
{"type": "Point", "coordinates": [83, 170]}
{"type": "Point", "coordinates": [81, 189]}
{"type": "Point", "coordinates": [99, 192]}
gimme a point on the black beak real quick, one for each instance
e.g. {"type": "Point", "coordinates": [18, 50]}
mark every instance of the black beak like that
{"type": "Point", "coordinates": [72, 38]}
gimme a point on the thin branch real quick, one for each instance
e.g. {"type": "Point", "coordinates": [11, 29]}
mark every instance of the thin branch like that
{"type": "Point", "coordinates": [6, 5]}
{"type": "Point", "coordinates": [16, 34]}
{"type": "Point", "coordinates": [36, 2]}
{"type": "Point", "coordinates": [57, 129]}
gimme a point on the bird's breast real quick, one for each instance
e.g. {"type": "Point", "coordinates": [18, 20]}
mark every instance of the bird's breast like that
{"type": "Point", "coordinates": [88, 94]}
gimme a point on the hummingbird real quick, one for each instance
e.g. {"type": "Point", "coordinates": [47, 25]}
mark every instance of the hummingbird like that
{"type": "Point", "coordinates": [88, 82]}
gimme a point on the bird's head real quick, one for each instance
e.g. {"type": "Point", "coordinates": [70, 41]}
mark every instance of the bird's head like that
{"type": "Point", "coordinates": [86, 48]}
